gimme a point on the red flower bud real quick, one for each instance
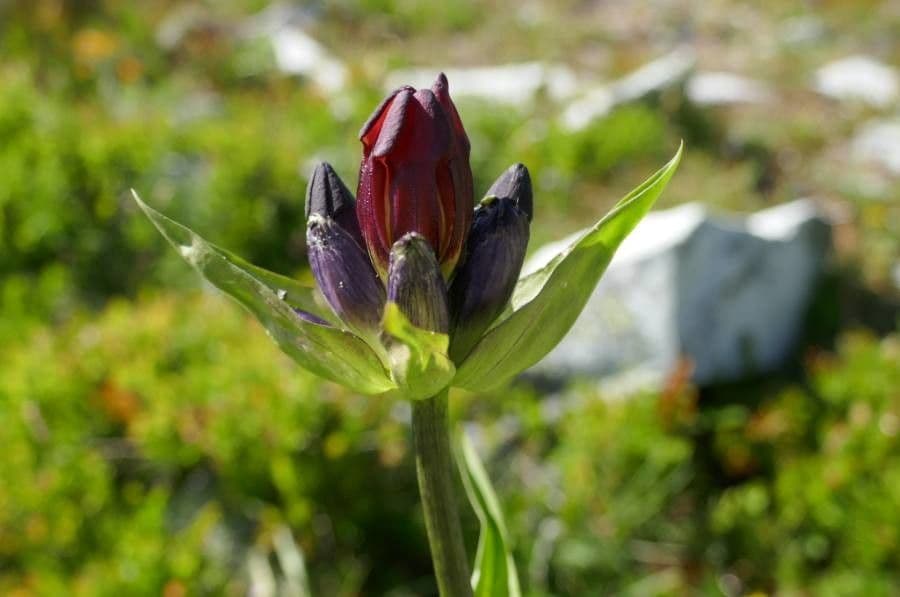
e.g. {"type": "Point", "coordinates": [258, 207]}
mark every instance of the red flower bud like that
{"type": "Point", "coordinates": [415, 175]}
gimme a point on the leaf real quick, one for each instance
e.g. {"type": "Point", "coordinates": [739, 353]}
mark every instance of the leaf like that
{"type": "Point", "coordinates": [546, 303]}
{"type": "Point", "coordinates": [323, 349]}
{"type": "Point", "coordinates": [418, 358]}
{"type": "Point", "coordinates": [290, 291]}
{"type": "Point", "coordinates": [494, 572]}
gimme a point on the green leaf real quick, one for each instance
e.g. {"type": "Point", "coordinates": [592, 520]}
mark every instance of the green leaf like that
{"type": "Point", "coordinates": [418, 358]}
{"type": "Point", "coordinates": [494, 572]}
{"type": "Point", "coordinates": [328, 351]}
{"type": "Point", "coordinates": [546, 303]}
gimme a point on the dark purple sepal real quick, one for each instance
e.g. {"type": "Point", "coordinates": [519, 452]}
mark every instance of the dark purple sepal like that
{"type": "Point", "coordinates": [515, 183]}
{"type": "Point", "coordinates": [328, 196]}
{"type": "Point", "coordinates": [486, 279]}
{"type": "Point", "coordinates": [416, 285]}
{"type": "Point", "coordinates": [344, 274]}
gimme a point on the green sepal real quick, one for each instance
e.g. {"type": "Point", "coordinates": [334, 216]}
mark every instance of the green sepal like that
{"type": "Point", "coordinates": [545, 304]}
{"type": "Point", "coordinates": [494, 571]}
{"type": "Point", "coordinates": [328, 351]}
{"type": "Point", "coordinates": [418, 357]}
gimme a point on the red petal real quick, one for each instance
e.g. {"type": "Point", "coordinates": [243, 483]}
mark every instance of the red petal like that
{"type": "Point", "coordinates": [391, 125]}
{"type": "Point", "coordinates": [415, 204]}
{"type": "Point", "coordinates": [370, 209]}
{"type": "Point", "coordinates": [372, 127]}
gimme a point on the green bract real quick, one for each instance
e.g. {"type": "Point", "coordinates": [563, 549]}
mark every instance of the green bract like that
{"type": "Point", "coordinates": [418, 357]}
{"type": "Point", "coordinates": [494, 572]}
{"type": "Point", "coordinates": [326, 350]}
{"type": "Point", "coordinates": [543, 307]}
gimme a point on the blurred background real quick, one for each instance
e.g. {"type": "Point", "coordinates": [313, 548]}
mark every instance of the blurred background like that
{"type": "Point", "coordinates": [155, 442]}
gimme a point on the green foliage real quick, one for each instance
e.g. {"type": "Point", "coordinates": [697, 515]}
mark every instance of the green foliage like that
{"type": "Point", "coordinates": [160, 445]}
{"type": "Point", "coordinates": [156, 444]}
{"type": "Point", "coordinates": [782, 487]}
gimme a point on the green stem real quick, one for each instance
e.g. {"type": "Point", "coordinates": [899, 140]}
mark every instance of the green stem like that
{"type": "Point", "coordinates": [434, 465]}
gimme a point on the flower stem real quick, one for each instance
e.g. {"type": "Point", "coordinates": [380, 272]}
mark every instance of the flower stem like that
{"type": "Point", "coordinates": [434, 466]}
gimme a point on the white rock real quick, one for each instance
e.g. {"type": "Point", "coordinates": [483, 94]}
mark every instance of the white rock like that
{"type": "Point", "coordinates": [859, 78]}
{"type": "Point", "coordinates": [723, 88]}
{"type": "Point", "coordinates": [727, 293]}
{"type": "Point", "coordinates": [514, 84]}
{"type": "Point", "coordinates": [297, 53]}
{"type": "Point", "coordinates": [595, 104]}
{"type": "Point", "coordinates": [878, 142]}
{"type": "Point", "coordinates": [663, 73]}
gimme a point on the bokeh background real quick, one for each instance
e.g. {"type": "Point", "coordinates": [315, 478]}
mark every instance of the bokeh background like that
{"type": "Point", "coordinates": [155, 442]}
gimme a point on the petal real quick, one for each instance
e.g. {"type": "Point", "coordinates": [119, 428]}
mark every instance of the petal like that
{"type": "Point", "coordinates": [391, 125]}
{"type": "Point", "coordinates": [441, 90]}
{"type": "Point", "coordinates": [371, 129]}
{"type": "Point", "coordinates": [414, 204]}
{"type": "Point", "coordinates": [373, 212]}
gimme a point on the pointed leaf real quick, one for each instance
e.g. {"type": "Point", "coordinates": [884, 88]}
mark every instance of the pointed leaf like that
{"type": "Point", "coordinates": [546, 303]}
{"type": "Point", "coordinates": [418, 357]}
{"type": "Point", "coordinates": [325, 350]}
{"type": "Point", "coordinates": [494, 572]}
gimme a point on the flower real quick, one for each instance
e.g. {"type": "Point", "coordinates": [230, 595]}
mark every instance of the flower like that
{"type": "Point", "coordinates": [415, 175]}
{"type": "Point", "coordinates": [412, 223]}
{"type": "Point", "coordinates": [417, 289]}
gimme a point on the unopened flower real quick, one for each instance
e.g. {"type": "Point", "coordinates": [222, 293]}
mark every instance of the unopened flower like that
{"type": "Point", "coordinates": [417, 288]}
{"type": "Point", "coordinates": [415, 175]}
{"type": "Point", "coordinates": [415, 215]}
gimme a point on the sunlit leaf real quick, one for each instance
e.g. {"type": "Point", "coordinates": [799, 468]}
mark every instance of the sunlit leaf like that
{"type": "Point", "coordinates": [418, 357]}
{"type": "Point", "coordinates": [546, 303]}
{"type": "Point", "coordinates": [494, 572]}
{"type": "Point", "coordinates": [328, 351]}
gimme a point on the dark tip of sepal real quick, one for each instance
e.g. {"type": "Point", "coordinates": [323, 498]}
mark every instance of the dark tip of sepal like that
{"type": "Point", "coordinates": [310, 318]}
{"type": "Point", "coordinates": [327, 196]}
{"type": "Point", "coordinates": [416, 284]}
{"type": "Point", "coordinates": [515, 184]}
{"type": "Point", "coordinates": [486, 279]}
{"type": "Point", "coordinates": [344, 274]}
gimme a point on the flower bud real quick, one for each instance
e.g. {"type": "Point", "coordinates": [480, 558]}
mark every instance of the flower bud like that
{"type": "Point", "coordinates": [344, 274]}
{"type": "Point", "coordinates": [415, 175]}
{"type": "Point", "coordinates": [416, 285]}
{"type": "Point", "coordinates": [328, 196]}
{"type": "Point", "coordinates": [494, 256]}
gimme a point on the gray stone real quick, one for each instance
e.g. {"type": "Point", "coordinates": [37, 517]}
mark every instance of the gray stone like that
{"type": "Point", "coordinates": [727, 293]}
